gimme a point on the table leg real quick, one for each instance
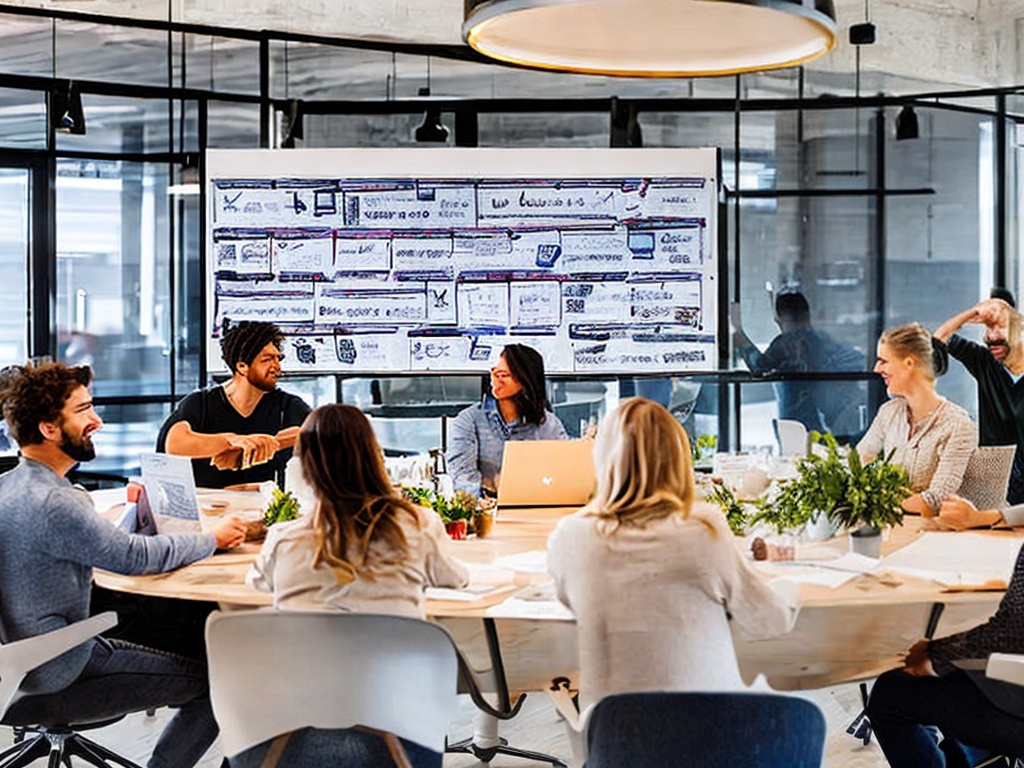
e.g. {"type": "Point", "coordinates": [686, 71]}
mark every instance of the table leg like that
{"type": "Point", "coordinates": [485, 742]}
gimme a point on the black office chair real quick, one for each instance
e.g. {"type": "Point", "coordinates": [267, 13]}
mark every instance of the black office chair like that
{"type": "Point", "coordinates": [43, 727]}
{"type": "Point", "coordinates": [665, 730]}
{"type": "Point", "coordinates": [669, 729]}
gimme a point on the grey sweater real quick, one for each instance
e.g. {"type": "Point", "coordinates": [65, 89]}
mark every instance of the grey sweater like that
{"type": "Point", "coordinates": [50, 540]}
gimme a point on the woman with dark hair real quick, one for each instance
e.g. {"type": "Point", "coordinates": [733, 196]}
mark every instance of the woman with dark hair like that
{"type": "Point", "coordinates": [515, 409]}
{"type": "Point", "coordinates": [364, 547]}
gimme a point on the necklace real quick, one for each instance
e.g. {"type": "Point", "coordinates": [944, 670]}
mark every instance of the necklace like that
{"type": "Point", "coordinates": [916, 422]}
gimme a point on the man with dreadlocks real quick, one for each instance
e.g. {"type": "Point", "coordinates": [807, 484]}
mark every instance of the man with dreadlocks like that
{"type": "Point", "coordinates": [242, 431]}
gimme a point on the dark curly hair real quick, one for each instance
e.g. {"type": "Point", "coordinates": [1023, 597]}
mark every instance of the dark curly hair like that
{"type": "Point", "coordinates": [243, 341]}
{"type": "Point", "coordinates": [31, 394]}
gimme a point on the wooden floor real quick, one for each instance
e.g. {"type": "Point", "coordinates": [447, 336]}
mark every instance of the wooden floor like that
{"type": "Point", "coordinates": [536, 728]}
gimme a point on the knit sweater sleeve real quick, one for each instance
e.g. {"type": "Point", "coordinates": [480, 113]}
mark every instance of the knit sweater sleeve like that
{"type": "Point", "coordinates": [73, 531]}
{"type": "Point", "coordinates": [1003, 633]}
{"type": "Point", "coordinates": [953, 457]}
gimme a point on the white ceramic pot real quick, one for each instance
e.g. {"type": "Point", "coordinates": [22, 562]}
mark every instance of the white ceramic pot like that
{"type": "Point", "coordinates": [866, 541]}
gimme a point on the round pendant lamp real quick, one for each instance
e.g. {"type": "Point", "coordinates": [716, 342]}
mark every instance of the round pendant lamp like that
{"type": "Point", "coordinates": [651, 38]}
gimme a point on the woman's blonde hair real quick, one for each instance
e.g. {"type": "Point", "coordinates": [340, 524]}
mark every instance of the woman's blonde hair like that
{"type": "Point", "coordinates": [344, 464]}
{"type": "Point", "coordinates": [643, 464]}
{"type": "Point", "coordinates": [912, 340]}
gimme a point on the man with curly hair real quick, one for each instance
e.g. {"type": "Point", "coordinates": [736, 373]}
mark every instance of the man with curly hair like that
{"type": "Point", "coordinates": [50, 540]}
{"type": "Point", "coordinates": [244, 431]}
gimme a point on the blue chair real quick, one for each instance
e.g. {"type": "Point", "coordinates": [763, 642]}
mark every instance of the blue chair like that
{"type": "Point", "coordinates": [666, 730]}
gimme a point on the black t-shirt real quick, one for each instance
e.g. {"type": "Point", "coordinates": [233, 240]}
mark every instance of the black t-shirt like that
{"type": "Point", "coordinates": [209, 411]}
{"type": "Point", "coordinates": [1000, 405]}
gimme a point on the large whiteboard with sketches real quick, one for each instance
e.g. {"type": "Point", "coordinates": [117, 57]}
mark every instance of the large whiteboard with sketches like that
{"type": "Point", "coordinates": [404, 260]}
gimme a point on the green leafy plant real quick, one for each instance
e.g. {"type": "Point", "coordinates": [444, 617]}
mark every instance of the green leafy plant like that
{"type": "Point", "coordinates": [735, 512]}
{"type": "Point", "coordinates": [461, 506]}
{"type": "Point", "coordinates": [701, 444]}
{"type": "Point", "coordinates": [283, 506]}
{"type": "Point", "coordinates": [850, 492]}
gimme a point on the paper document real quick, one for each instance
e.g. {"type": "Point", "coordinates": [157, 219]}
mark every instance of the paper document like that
{"type": "Point", "coordinates": [957, 559]}
{"type": "Point", "coordinates": [534, 561]}
{"type": "Point", "coordinates": [466, 594]}
{"type": "Point", "coordinates": [170, 485]}
{"type": "Point", "coordinates": [517, 608]}
{"type": "Point", "coordinates": [826, 573]}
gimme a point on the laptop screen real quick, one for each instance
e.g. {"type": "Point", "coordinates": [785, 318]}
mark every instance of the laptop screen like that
{"type": "Point", "coordinates": [546, 473]}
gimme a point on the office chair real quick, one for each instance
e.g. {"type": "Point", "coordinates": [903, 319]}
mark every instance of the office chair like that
{"type": "Point", "coordinates": [41, 728]}
{"type": "Point", "coordinates": [664, 730]}
{"type": "Point", "coordinates": [1008, 667]}
{"type": "Point", "coordinates": [987, 476]}
{"type": "Point", "coordinates": [792, 437]}
{"type": "Point", "coordinates": [279, 672]}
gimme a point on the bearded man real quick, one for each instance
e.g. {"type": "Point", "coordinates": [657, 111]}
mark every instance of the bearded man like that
{"type": "Point", "coordinates": [244, 430]}
{"type": "Point", "coordinates": [51, 537]}
{"type": "Point", "coordinates": [998, 366]}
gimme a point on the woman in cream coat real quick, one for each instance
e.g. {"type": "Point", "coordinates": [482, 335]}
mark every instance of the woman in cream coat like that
{"type": "Point", "coordinates": [652, 576]}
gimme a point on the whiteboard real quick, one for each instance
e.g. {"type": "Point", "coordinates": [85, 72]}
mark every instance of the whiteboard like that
{"type": "Point", "coordinates": [409, 260]}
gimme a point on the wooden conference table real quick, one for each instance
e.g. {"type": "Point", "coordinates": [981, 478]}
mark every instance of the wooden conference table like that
{"type": "Point", "coordinates": [852, 631]}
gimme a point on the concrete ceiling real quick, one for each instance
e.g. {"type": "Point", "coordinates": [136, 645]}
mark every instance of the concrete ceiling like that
{"type": "Point", "coordinates": [940, 43]}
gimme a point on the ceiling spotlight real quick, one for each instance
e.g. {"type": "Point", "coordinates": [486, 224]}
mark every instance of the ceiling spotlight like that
{"type": "Point", "coordinates": [906, 124]}
{"type": "Point", "coordinates": [651, 38]}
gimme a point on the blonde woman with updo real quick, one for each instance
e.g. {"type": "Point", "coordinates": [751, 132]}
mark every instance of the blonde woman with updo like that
{"type": "Point", "coordinates": [928, 435]}
{"type": "Point", "coordinates": [653, 576]}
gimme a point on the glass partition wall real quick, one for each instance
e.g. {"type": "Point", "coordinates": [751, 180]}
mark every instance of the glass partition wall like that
{"type": "Point", "coordinates": [101, 232]}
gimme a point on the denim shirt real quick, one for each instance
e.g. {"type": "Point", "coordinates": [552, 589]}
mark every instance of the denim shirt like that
{"type": "Point", "coordinates": [476, 443]}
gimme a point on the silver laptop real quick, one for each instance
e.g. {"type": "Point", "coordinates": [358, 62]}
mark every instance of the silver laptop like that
{"type": "Point", "coordinates": [170, 485]}
{"type": "Point", "coordinates": [546, 473]}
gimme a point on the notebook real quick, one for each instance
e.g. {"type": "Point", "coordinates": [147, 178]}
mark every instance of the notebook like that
{"type": "Point", "coordinates": [546, 473]}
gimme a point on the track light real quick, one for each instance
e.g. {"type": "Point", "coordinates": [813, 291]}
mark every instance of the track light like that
{"type": "Point", "coordinates": [431, 129]}
{"type": "Point", "coordinates": [66, 113]}
{"type": "Point", "coordinates": [906, 124]}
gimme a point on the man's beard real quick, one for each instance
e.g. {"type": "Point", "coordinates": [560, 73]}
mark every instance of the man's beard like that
{"type": "Point", "coordinates": [262, 383]}
{"type": "Point", "coordinates": [80, 449]}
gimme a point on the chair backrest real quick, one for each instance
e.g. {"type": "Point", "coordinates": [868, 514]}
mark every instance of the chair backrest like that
{"type": "Point", "coordinates": [987, 476]}
{"type": "Point", "coordinates": [276, 671]}
{"type": "Point", "coordinates": [19, 658]}
{"type": "Point", "coordinates": [792, 437]}
{"type": "Point", "coordinates": [663, 730]}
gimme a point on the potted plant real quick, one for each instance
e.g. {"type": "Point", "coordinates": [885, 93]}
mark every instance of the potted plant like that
{"type": "Point", "coordinates": [862, 497]}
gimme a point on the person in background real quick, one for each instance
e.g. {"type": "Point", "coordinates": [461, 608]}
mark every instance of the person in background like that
{"type": "Point", "coordinates": [975, 714]}
{"type": "Point", "coordinates": [931, 437]}
{"type": "Point", "coordinates": [826, 405]}
{"type": "Point", "coordinates": [516, 408]}
{"type": "Point", "coordinates": [363, 548]}
{"type": "Point", "coordinates": [998, 366]}
{"type": "Point", "coordinates": [51, 538]}
{"type": "Point", "coordinates": [241, 432]}
{"type": "Point", "coordinates": [654, 577]}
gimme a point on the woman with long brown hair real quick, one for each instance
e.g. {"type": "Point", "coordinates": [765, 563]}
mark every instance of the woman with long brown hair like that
{"type": "Point", "coordinates": [652, 575]}
{"type": "Point", "coordinates": [364, 547]}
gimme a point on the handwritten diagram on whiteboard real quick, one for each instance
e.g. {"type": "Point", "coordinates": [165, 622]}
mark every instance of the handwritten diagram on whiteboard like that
{"type": "Point", "coordinates": [377, 261]}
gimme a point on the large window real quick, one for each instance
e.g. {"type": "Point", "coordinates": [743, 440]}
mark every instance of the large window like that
{"type": "Point", "coordinates": [818, 197]}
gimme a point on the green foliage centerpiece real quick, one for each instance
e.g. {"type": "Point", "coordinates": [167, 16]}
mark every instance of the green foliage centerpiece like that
{"type": "Point", "coordinates": [863, 496]}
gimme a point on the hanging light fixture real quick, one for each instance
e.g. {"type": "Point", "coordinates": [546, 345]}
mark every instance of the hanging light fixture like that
{"type": "Point", "coordinates": [906, 124]}
{"type": "Point", "coordinates": [651, 38]}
